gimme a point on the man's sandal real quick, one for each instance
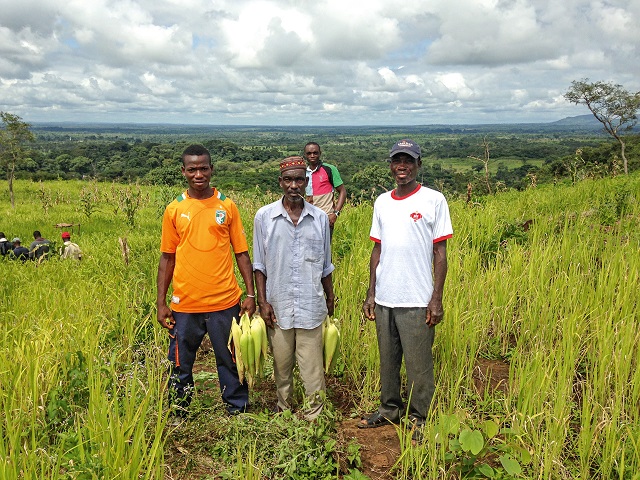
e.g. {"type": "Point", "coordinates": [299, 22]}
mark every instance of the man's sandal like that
{"type": "Point", "coordinates": [375, 420]}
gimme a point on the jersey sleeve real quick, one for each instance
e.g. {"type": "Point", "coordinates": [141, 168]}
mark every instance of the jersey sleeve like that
{"type": "Point", "coordinates": [337, 179]}
{"type": "Point", "coordinates": [236, 231]}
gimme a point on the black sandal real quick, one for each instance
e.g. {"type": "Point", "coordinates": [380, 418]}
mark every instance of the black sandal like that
{"type": "Point", "coordinates": [375, 420]}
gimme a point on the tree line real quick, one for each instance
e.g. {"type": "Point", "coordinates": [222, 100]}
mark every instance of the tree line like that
{"type": "Point", "coordinates": [247, 158]}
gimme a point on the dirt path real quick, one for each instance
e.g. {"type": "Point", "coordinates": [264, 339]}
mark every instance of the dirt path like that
{"type": "Point", "coordinates": [380, 447]}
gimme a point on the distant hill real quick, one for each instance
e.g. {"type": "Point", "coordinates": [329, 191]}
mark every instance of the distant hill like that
{"type": "Point", "coordinates": [585, 121]}
{"type": "Point", "coordinates": [582, 124]}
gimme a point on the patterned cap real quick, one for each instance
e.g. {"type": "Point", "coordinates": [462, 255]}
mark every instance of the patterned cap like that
{"type": "Point", "coordinates": [406, 146]}
{"type": "Point", "coordinates": [291, 163]}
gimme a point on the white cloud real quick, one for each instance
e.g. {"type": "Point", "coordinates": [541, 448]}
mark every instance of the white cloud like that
{"type": "Point", "coordinates": [329, 61]}
{"type": "Point", "coordinates": [456, 84]}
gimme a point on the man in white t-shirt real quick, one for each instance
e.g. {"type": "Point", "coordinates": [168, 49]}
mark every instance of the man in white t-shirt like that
{"type": "Point", "coordinates": [408, 267]}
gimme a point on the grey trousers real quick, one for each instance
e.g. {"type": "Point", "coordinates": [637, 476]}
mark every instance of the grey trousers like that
{"type": "Point", "coordinates": [305, 347]}
{"type": "Point", "coordinates": [404, 331]}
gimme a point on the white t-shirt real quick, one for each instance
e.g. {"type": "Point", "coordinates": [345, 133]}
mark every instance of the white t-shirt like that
{"type": "Point", "coordinates": [406, 229]}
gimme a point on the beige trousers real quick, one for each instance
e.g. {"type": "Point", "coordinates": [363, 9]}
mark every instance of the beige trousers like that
{"type": "Point", "coordinates": [305, 347]}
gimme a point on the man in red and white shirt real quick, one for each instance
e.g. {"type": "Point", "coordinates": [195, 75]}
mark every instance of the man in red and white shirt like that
{"type": "Point", "coordinates": [408, 267]}
{"type": "Point", "coordinates": [324, 181]}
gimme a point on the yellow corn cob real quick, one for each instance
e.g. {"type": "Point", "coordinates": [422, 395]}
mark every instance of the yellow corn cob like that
{"type": "Point", "coordinates": [256, 337]}
{"type": "Point", "coordinates": [246, 347]}
{"type": "Point", "coordinates": [331, 343]}
{"type": "Point", "coordinates": [265, 340]}
{"type": "Point", "coordinates": [234, 337]}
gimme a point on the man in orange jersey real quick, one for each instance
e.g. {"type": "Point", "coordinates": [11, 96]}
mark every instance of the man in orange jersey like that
{"type": "Point", "coordinates": [199, 228]}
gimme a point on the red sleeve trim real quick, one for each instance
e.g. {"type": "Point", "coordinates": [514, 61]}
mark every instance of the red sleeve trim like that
{"type": "Point", "coordinates": [375, 239]}
{"type": "Point", "coordinates": [441, 239]}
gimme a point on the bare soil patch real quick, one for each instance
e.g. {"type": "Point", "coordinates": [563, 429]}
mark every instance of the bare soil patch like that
{"type": "Point", "coordinates": [492, 375]}
{"type": "Point", "coordinates": [380, 447]}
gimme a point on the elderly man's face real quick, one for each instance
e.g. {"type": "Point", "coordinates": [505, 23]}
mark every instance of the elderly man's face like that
{"type": "Point", "coordinates": [293, 183]}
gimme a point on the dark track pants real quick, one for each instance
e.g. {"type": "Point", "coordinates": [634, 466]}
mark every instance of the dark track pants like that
{"type": "Point", "coordinates": [404, 331]}
{"type": "Point", "coordinates": [186, 336]}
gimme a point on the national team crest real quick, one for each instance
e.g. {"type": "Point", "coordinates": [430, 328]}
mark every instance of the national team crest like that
{"type": "Point", "coordinates": [221, 216]}
{"type": "Point", "coordinates": [416, 216]}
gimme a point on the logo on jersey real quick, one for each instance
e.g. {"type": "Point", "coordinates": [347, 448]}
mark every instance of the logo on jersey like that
{"type": "Point", "coordinates": [187, 216]}
{"type": "Point", "coordinates": [221, 216]}
{"type": "Point", "coordinates": [416, 216]}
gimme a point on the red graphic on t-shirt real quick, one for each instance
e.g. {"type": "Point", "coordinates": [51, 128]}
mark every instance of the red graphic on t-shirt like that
{"type": "Point", "coordinates": [416, 216]}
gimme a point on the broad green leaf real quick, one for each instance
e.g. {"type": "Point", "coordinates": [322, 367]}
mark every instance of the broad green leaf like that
{"type": "Point", "coordinates": [486, 470]}
{"type": "Point", "coordinates": [510, 464]}
{"type": "Point", "coordinates": [454, 445]}
{"type": "Point", "coordinates": [449, 424]}
{"type": "Point", "coordinates": [471, 441]}
{"type": "Point", "coordinates": [356, 475]}
{"type": "Point", "coordinates": [490, 428]}
{"type": "Point", "coordinates": [523, 453]}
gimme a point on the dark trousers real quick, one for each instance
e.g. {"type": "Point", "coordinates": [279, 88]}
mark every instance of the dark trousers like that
{"type": "Point", "coordinates": [186, 336]}
{"type": "Point", "coordinates": [404, 331]}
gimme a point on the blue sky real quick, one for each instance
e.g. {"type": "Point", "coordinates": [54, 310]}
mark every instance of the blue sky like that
{"type": "Point", "coordinates": [302, 62]}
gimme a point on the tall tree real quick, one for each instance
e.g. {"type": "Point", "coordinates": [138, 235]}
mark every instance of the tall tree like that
{"type": "Point", "coordinates": [611, 104]}
{"type": "Point", "coordinates": [14, 134]}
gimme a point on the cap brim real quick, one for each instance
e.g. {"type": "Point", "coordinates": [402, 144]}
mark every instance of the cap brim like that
{"type": "Point", "coordinates": [404, 150]}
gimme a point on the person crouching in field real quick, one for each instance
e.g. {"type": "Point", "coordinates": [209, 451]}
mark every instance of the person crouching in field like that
{"type": "Point", "coordinates": [69, 249]}
{"type": "Point", "coordinates": [5, 245]}
{"type": "Point", "coordinates": [199, 229]}
{"type": "Point", "coordinates": [292, 265]}
{"type": "Point", "coordinates": [19, 252]}
{"type": "Point", "coordinates": [410, 228]}
{"type": "Point", "coordinates": [39, 248]}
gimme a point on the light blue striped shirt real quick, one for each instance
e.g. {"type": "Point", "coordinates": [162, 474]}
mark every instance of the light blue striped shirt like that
{"type": "Point", "coordinates": [294, 259]}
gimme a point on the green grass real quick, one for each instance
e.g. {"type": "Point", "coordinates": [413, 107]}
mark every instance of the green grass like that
{"type": "Point", "coordinates": [83, 359]}
{"type": "Point", "coordinates": [467, 164]}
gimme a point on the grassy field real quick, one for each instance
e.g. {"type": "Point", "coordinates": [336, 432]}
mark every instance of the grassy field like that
{"type": "Point", "coordinates": [544, 282]}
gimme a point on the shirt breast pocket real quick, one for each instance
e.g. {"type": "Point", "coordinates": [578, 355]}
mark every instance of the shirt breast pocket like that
{"type": "Point", "coordinates": [314, 251]}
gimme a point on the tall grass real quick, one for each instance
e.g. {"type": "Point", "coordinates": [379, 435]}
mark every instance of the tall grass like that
{"type": "Point", "coordinates": [83, 360]}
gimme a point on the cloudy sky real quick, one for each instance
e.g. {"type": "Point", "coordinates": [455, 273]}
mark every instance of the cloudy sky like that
{"type": "Point", "coordinates": [320, 62]}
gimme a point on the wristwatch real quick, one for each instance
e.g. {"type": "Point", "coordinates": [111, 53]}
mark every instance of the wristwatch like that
{"type": "Point", "coordinates": [336, 212]}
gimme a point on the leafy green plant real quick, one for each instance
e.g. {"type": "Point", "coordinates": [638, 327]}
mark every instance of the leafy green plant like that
{"type": "Point", "coordinates": [355, 475]}
{"type": "Point", "coordinates": [132, 199]}
{"type": "Point", "coordinates": [44, 195]}
{"type": "Point", "coordinates": [353, 454]}
{"type": "Point", "coordinates": [89, 199]}
{"type": "Point", "coordinates": [484, 452]}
